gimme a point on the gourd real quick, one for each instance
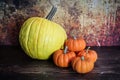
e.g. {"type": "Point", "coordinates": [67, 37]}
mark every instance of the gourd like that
{"type": "Point", "coordinates": [82, 65]}
{"type": "Point", "coordinates": [92, 54]}
{"type": "Point", "coordinates": [40, 37]}
{"type": "Point", "coordinates": [63, 58]}
{"type": "Point", "coordinates": [75, 44]}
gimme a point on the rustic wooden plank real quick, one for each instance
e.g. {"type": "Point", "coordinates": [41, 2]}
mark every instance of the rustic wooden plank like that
{"type": "Point", "coordinates": [15, 65]}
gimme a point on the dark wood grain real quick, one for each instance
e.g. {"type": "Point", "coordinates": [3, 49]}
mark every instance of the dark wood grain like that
{"type": "Point", "coordinates": [16, 65]}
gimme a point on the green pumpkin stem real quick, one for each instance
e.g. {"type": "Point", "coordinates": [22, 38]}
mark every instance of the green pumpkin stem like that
{"type": "Point", "coordinates": [82, 58]}
{"type": "Point", "coordinates": [87, 50]}
{"type": "Point", "coordinates": [74, 37]}
{"type": "Point", "coordinates": [65, 50]}
{"type": "Point", "coordinates": [52, 13]}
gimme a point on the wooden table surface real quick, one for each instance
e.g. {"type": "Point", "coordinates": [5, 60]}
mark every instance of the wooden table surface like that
{"type": "Point", "coordinates": [15, 65]}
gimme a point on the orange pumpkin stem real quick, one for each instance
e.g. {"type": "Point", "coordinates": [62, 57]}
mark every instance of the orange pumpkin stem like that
{"type": "Point", "coordinates": [65, 50]}
{"type": "Point", "coordinates": [87, 50]}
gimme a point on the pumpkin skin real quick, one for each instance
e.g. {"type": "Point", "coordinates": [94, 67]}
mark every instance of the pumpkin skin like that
{"type": "Point", "coordinates": [40, 37]}
{"type": "Point", "coordinates": [62, 58]}
{"type": "Point", "coordinates": [75, 44]}
{"type": "Point", "coordinates": [82, 65]}
{"type": "Point", "coordinates": [89, 53]}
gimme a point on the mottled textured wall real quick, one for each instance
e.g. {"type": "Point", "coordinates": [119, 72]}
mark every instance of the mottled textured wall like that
{"type": "Point", "coordinates": [97, 21]}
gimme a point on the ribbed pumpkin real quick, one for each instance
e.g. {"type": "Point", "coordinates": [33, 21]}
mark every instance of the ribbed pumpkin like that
{"type": "Point", "coordinates": [75, 44]}
{"type": "Point", "coordinates": [62, 58]}
{"type": "Point", "coordinates": [40, 37]}
{"type": "Point", "coordinates": [92, 54]}
{"type": "Point", "coordinates": [82, 64]}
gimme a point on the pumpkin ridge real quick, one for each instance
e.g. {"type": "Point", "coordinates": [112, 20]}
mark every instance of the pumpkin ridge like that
{"type": "Point", "coordinates": [28, 32]}
{"type": "Point", "coordinates": [60, 60]}
{"type": "Point", "coordinates": [79, 64]}
{"type": "Point", "coordinates": [30, 38]}
{"type": "Point", "coordinates": [50, 31]}
{"type": "Point", "coordinates": [62, 37]}
{"type": "Point", "coordinates": [44, 35]}
{"type": "Point", "coordinates": [56, 57]}
{"type": "Point", "coordinates": [72, 41]}
{"type": "Point", "coordinates": [35, 38]}
{"type": "Point", "coordinates": [86, 64]}
{"type": "Point", "coordinates": [75, 63]}
{"type": "Point", "coordinates": [20, 38]}
{"type": "Point", "coordinates": [66, 60]}
{"type": "Point", "coordinates": [73, 44]}
{"type": "Point", "coordinates": [53, 34]}
{"type": "Point", "coordinates": [38, 38]}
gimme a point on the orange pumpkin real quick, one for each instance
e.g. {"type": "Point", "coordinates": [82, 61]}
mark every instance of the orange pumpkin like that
{"type": "Point", "coordinates": [89, 53]}
{"type": "Point", "coordinates": [62, 58]}
{"type": "Point", "coordinates": [75, 44]}
{"type": "Point", "coordinates": [82, 64]}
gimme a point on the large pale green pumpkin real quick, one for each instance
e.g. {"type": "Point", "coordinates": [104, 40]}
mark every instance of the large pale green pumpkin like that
{"type": "Point", "coordinates": [40, 37]}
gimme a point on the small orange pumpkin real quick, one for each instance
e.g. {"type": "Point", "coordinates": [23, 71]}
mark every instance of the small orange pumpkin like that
{"type": "Point", "coordinates": [92, 54]}
{"type": "Point", "coordinates": [62, 58]}
{"type": "Point", "coordinates": [75, 44]}
{"type": "Point", "coordinates": [82, 64]}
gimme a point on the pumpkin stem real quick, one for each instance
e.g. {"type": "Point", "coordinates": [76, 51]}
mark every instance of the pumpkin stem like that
{"type": "Point", "coordinates": [65, 50]}
{"type": "Point", "coordinates": [87, 50]}
{"type": "Point", "coordinates": [52, 13]}
{"type": "Point", "coordinates": [73, 34]}
{"type": "Point", "coordinates": [74, 37]}
{"type": "Point", "coordinates": [82, 58]}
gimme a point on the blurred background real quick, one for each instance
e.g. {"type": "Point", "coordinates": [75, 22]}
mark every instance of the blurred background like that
{"type": "Point", "coordinates": [97, 21]}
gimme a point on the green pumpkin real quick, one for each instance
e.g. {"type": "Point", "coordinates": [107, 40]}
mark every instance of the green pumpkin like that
{"type": "Point", "coordinates": [40, 37]}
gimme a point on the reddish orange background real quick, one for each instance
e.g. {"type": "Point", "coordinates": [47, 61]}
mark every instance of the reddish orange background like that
{"type": "Point", "coordinates": [97, 21]}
